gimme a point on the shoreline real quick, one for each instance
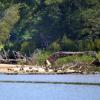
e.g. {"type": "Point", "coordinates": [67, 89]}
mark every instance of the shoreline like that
{"type": "Point", "coordinates": [10, 69]}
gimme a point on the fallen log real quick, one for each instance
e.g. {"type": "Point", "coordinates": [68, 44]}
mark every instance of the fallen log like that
{"type": "Point", "coordinates": [11, 61]}
{"type": "Point", "coordinates": [51, 59]}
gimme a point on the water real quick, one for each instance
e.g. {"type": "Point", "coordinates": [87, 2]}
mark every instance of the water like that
{"type": "Point", "coordinates": [23, 87]}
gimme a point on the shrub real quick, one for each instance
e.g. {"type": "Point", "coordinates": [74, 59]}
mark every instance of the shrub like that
{"type": "Point", "coordinates": [55, 46]}
{"type": "Point", "coordinates": [67, 44]}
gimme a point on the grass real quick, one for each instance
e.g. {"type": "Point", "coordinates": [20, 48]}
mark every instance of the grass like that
{"type": "Point", "coordinates": [63, 60]}
{"type": "Point", "coordinates": [68, 59]}
{"type": "Point", "coordinates": [85, 59]}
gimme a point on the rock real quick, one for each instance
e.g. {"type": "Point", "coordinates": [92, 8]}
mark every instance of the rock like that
{"type": "Point", "coordinates": [50, 71]}
{"type": "Point", "coordinates": [41, 70]}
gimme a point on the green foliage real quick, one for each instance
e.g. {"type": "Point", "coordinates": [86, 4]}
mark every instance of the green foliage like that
{"type": "Point", "coordinates": [98, 55]}
{"type": "Point", "coordinates": [40, 59]}
{"type": "Point", "coordinates": [55, 46]}
{"type": "Point", "coordinates": [1, 46]}
{"type": "Point", "coordinates": [84, 45]}
{"type": "Point", "coordinates": [69, 59]}
{"type": "Point", "coordinates": [67, 44]}
{"type": "Point", "coordinates": [29, 24]}
{"type": "Point", "coordinates": [11, 16]}
{"type": "Point", "coordinates": [27, 47]}
{"type": "Point", "coordinates": [97, 44]}
{"type": "Point", "coordinates": [48, 2]}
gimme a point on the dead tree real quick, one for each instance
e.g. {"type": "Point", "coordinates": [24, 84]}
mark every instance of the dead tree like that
{"type": "Point", "coordinates": [51, 59]}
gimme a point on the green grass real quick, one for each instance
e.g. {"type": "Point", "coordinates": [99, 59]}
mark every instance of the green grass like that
{"type": "Point", "coordinates": [63, 60]}
{"type": "Point", "coordinates": [40, 59]}
{"type": "Point", "coordinates": [68, 59]}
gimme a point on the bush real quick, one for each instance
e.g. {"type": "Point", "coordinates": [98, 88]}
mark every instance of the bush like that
{"type": "Point", "coordinates": [67, 44]}
{"type": "Point", "coordinates": [97, 45]}
{"type": "Point", "coordinates": [85, 45]}
{"type": "Point", "coordinates": [27, 47]}
{"type": "Point", "coordinates": [40, 59]}
{"type": "Point", "coordinates": [55, 46]}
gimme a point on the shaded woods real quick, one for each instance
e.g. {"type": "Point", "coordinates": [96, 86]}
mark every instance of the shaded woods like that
{"type": "Point", "coordinates": [70, 25]}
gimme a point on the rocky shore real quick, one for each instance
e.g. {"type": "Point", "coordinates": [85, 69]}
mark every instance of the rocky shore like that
{"type": "Point", "coordinates": [81, 68]}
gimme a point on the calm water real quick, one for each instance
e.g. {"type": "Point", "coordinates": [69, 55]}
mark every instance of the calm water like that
{"type": "Point", "coordinates": [49, 91]}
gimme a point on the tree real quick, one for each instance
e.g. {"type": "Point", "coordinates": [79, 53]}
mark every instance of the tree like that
{"type": "Point", "coordinates": [11, 16]}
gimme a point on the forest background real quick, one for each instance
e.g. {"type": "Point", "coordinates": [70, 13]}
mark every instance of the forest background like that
{"type": "Point", "coordinates": [50, 25]}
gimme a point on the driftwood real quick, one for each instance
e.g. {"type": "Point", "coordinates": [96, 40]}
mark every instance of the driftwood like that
{"type": "Point", "coordinates": [51, 59]}
{"type": "Point", "coordinates": [11, 61]}
{"type": "Point", "coordinates": [12, 57]}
